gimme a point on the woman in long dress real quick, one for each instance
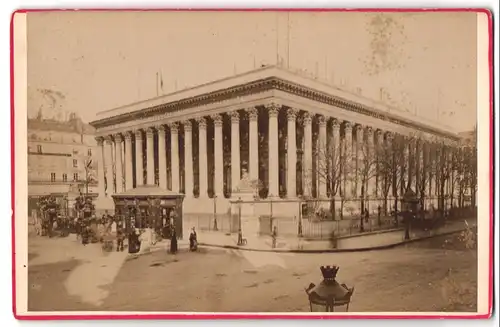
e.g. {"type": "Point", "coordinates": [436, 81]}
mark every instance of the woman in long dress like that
{"type": "Point", "coordinates": [173, 241]}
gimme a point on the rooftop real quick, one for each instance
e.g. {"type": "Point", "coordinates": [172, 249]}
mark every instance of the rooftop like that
{"type": "Point", "coordinates": [72, 125]}
{"type": "Point", "coordinates": [265, 77]}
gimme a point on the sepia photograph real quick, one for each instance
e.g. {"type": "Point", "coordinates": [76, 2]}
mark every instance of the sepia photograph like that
{"type": "Point", "coordinates": [273, 162]}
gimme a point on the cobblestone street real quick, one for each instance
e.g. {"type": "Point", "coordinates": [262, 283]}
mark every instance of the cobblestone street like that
{"type": "Point", "coordinates": [425, 276]}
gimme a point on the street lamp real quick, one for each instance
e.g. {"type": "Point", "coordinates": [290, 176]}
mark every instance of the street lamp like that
{"type": "Point", "coordinates": [328, 294]}
{"type": "Point", "coordinates": [215, 214]}
{"type": "Point", "coordinates": [240, 233]}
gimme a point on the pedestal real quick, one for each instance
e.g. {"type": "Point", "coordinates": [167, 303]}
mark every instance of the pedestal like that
{"type": "Point", "coordinates": [244, 204]}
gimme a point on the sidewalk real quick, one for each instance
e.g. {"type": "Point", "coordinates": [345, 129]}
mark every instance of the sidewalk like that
{"type": "Point", "coordinates": [362, 242]}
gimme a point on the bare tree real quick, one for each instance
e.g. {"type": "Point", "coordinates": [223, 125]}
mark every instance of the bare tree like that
{"type": "Point", "coordinates": [329, 171]}
{"type": "Point", "coordinates": [385, 166]}
{"type": "Point", "coordinates": [423, 175]}
{"type": "Point", "coordinates": [471, 166]}
{"type": "Point", "coordinates": [393, 166]}
{"type": "Point", "coordinates": [443, 170]}
{"type": "Point", "coordinates": [366, 170]}
{"type": "Point", "coordinates": [461, 174]}
{"type": "Point", "coordinates": [472, 174]}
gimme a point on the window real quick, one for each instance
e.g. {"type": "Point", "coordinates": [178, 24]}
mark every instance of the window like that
{"type": "Point", "coordinates": [75, 163]}
{"type": "Point", "coordinates": [65, 177]}
{"type": "Point", "coordinates": [89, 152]}
{"type": "Point", "coordinates": [39, 148]}
{"type": "Point", "coordinates": [52, 177]}
{"type": "Point", "coordinates": [75, 177]}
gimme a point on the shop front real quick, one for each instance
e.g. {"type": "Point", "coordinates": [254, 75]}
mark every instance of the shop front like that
{"type": "Point", "coordinates": [149, 206]}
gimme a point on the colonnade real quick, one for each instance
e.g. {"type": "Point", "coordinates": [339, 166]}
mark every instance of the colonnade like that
{"type": "Point", "coordinates": [291, 152]}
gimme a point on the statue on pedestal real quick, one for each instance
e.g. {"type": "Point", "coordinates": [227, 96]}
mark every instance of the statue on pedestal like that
{"type": "Point", "coordinates": [243, 206]}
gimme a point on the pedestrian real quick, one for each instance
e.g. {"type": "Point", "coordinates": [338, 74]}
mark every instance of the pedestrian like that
{"type": "Point", "coordinates": [193, 240]}
{"type": "Point", "coordinates": [173, 241]}
{"type": "Point", "coordinates": [134, 242]}
{"type": "Point", "coordinates": [274, 236]}
{"type": "Point", "coordinates": [120, 236]}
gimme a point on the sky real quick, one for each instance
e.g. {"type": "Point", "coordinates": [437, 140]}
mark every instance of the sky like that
{"type": "Point", "coordinates": [86, 62]}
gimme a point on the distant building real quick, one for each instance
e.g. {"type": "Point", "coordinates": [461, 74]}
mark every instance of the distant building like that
{"type": "Point", "coordinates": [468, 138]}
{"type": "Point", "coordinates": [61, 158]}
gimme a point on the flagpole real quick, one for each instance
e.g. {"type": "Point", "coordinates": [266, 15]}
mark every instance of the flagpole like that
{"type": "Point", "coordinates": [161, 83]}
{"type": "Point", "coordinates": [277, 40]}
{"type": "Point", "coordinates": [156, 83]}
{"type": "Point", "coordinates": [288, 41]}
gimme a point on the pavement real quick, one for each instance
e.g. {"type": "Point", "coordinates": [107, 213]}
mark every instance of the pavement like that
{"type": "Point", "coordinates": [409, 278]}
{"type": "Point", "coordinates": [361, 242]}
{"type": "Point", "coordinates": [95, 269]}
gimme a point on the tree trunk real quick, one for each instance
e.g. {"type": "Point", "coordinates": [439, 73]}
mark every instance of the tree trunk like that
{"type": "Point", "coordinates": [396, 220]}
{"type": "Point", "coordinates": [385, 204]}
{"type": "Point", "coordinates": [332, 207]}
{"type": "Point", "coordinates": [441, 200]}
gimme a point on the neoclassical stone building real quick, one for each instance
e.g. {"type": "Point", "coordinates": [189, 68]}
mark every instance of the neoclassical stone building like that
{"type": "Point", "coordinates": [268, 122]}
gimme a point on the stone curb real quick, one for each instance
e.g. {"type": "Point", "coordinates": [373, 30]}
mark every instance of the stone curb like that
{"type": "Point", "coordinates": [374, 248]}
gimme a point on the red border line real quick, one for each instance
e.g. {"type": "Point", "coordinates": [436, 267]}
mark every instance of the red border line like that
{"type": "Point", "coordinates": [223, 316]}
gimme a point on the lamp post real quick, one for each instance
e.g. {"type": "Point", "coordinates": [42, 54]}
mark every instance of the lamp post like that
{"type": "Point", "coordinates": [300, 220]}
{"type": "Point", "coordinates": [240, 233]}
{"type": "Point", "coordinates": [215, 214]}
{"type": "Point", "coordinates": [328, 294]}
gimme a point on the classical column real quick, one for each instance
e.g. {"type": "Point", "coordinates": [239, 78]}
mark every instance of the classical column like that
{"type": "Point", "coordinates": [348, 166]}
{"type": "Point", "coordinates": [162, 157]}
{"type": "Point", "coordinates": [119, 163]}
{"type": "Point", "coordinates": [360, 160]}
{"type": "Point", "coordinates": [429, 164]}
{"type": "Point", "coordinates": [388, 143]}
{"type": "Point", "coordinates": [150, 149]}
{"type": "Point", "coordinates": [336, 155]}
{"type": "Point", "coordinates": [129, 179]}
{"type": "Point", "coordinates": [139, 159]}
{"type": "Point", "coordinates": [307, 161]}
{"type": "Point", "coordinates": [202, 157]}
{"type": "Point", "coordinates": [406, 165]}
{"type": "Point", "coordinates": [188, 158]}
{"type": "Point", "coordinates": [291, 151]}
{"type": "Point", "coordinates": [253, 146]}
{"type": "Point", "coordinates": [100, 166]}
{"type": "Point", "coordinates": [235, 150]}
{"type": "Point", "coordinates": [218, 157]}
{"type": "Point", "coordinates": [370, 161]}
{"type": "Point", "coordinates": [174, 146]}
{"type": "Point", "coordinates": [412, 158]}
{"type": "Point", "coordinates": [418, 166]}
{"type": "Point", "coordinates": [273, 155]}
{"type": "Point", "coordinates": [108, 162]}
{"type": "Point", "coordinates": [322, 153]}
{"type": "Point", "coordinates": [379, 135]}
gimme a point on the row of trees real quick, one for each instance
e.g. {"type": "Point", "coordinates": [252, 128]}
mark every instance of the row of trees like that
{"type": "Point", "coordinates": [387, 170]}
{"type": "Point", "coordinates": [382, 170]}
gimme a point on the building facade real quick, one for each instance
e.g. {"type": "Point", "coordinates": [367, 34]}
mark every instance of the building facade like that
{"type": "Point", "coordinates": [280, 128]}
{"type": "Point", "coordinates": [61, 159]}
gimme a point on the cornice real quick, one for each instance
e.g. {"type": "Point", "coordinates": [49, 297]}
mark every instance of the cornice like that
{"type": "Point", "coordinates": [271, 83]}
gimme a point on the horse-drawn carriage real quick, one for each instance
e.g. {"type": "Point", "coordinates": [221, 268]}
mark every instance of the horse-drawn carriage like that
{"type": "Point", "coordinates": [86, 224]}
{"type": "Point", "coordinates": [48, 214]}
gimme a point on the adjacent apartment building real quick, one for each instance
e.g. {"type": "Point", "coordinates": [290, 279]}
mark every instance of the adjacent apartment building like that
{"type": "Point", "coordinates": [61, 159]}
